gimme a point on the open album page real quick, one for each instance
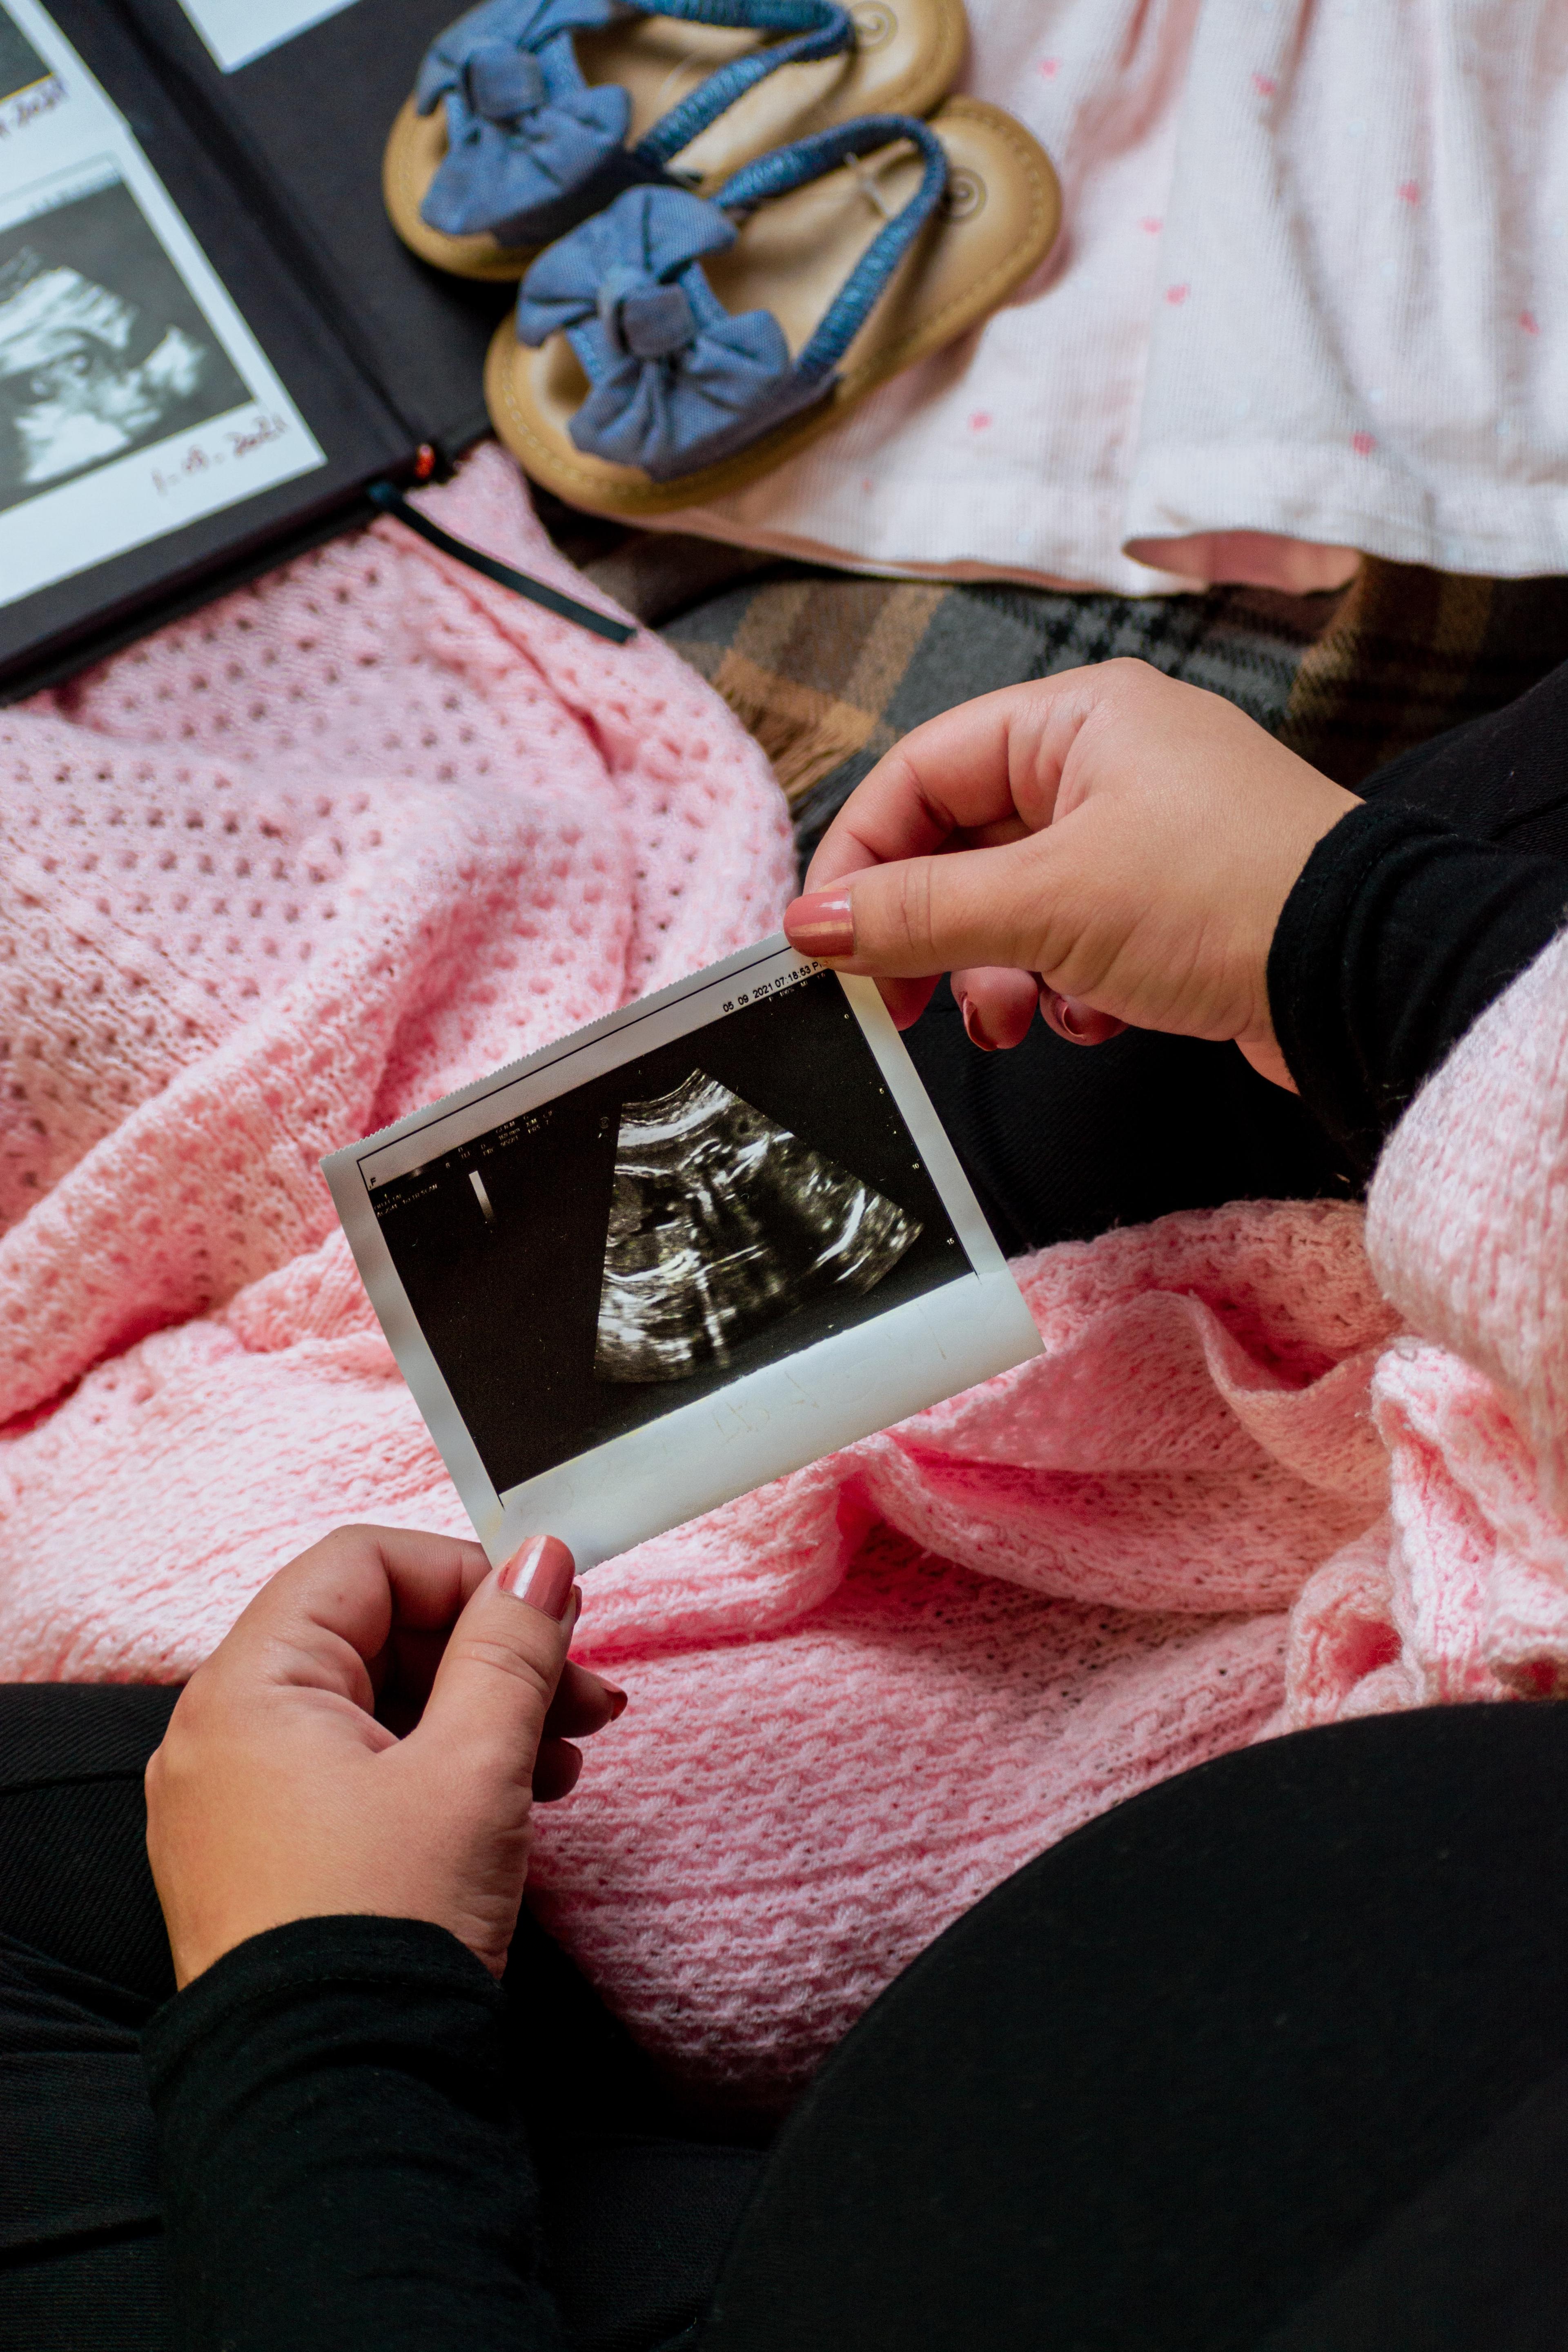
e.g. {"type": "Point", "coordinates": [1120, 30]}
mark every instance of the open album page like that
{"type": "Point", "coordinates": [133, 398]}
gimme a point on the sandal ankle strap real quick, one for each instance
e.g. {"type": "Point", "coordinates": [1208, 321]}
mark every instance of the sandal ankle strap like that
{"type": "Point", "coordinates": [821, 27]}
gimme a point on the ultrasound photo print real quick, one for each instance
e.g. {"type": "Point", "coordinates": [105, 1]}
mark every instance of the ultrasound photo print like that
{"type": "Point", "coordinates": [21, 66]}
{"type": "Point", "coordinates": [103, 349]}
{"type": "Point", "coordinates": [709, 1207]}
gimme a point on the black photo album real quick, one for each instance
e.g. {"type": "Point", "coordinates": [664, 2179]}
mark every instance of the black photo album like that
{"type": "Point", "coordinates": [212, 343]}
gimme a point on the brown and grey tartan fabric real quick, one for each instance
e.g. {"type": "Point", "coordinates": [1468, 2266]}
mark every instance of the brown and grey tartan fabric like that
{"type": "Point", "coordinates": [827, 672]}
{"type": "Point", "coordinates": [1410, 652]}
{"type": "Point", "coordinates": [828, 669]}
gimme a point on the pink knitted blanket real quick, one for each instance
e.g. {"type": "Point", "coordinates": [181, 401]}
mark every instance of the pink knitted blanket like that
{"type": "Point", "coordinates": [299, 864]}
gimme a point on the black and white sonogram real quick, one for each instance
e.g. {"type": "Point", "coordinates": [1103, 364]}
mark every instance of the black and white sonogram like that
{"type": "Point", "coordinates": [103, 349]}
{"type": "Point", "coordinates": [715, 1203]}
{"type": "Point", "coordinates": [21, 66]}
{"type": "Point", "coordinates": [701, 1242]}
{"type": "Point", "coordinates": [721, 1222]}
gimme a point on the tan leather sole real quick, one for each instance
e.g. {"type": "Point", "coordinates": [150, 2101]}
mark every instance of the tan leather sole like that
{"type": "Point", "coordinates": [907, 56]}
{"type": "Point", "coordinates": [997, 224]}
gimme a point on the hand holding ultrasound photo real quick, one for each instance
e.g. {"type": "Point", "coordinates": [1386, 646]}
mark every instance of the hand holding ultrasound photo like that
{"type": "Point", "coordinates": [697, 1245]}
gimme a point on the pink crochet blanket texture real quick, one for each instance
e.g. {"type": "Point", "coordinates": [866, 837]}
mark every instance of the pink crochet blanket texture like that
{"type": "Point", "coordinates": [301, 863]}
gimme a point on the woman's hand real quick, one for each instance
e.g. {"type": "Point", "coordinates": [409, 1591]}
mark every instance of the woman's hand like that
{"type": "Point", "coordinates": [283, 1790]}
{"type": "Point", "coordinates": [1124, 843]}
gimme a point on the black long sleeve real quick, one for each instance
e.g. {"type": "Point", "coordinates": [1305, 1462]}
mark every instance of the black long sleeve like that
{"type": "Point", "coordinates": [342, 2161]}
{"type": "Point", "coordinates": [1398, 934]}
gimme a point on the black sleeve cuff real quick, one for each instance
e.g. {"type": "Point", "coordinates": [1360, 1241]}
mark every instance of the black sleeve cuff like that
{"type": "Point", "coordinates": [1398, 934]}
{"type": "Point", "coordinates": [341, 2153]}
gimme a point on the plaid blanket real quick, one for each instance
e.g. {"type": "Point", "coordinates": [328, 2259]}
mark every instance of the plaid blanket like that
{"type": "Point", "coordinates": [828, 669]}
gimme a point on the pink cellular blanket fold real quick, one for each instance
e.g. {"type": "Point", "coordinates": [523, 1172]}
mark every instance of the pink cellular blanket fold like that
{"type": "Point", "coordinates": [302, 863]}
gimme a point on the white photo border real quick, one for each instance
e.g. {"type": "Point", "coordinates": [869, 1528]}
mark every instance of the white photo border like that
{"type": "Point", "coordinates": [765, 1422]}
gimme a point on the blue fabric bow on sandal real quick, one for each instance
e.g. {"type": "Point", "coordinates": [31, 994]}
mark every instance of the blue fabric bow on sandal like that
{"type": "Point", "coordinates": [678, 381]}
{"type": "Point", "coordinates": [532, 147]}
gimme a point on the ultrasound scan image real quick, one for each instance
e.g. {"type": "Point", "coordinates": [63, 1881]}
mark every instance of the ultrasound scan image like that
{"type": "Point", "coordinates": [21, 66]}
{"type": "Point", "coordinates": [721, 1223]}
{"type": "Point", "coordinates": [102, 347]}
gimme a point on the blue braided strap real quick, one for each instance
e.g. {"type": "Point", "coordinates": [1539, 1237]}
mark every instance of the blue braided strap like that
{"type": "Point", "coordinates": [531, 149]}
{"type": "Point", "coordinates": [822, 29]}
{"type": "Point", "coordinates": [810, 159]}
{"type": "Point", "coordinates": [678, 381]}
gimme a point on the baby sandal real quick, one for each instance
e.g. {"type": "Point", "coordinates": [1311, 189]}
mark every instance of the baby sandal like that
{"type": "Point", "coordinates": [675, 347]}
{"type": "Point", "coordinates": [528, 115]}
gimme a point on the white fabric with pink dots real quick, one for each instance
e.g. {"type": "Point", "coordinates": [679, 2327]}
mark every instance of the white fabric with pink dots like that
{"type": "Point", "coordinates": [1310, 297]}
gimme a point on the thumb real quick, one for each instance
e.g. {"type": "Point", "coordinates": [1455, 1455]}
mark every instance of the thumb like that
{"type": "Point", "coordinates": [922, 915]}
{"type": "Point", "coordinates": [503, 1659]}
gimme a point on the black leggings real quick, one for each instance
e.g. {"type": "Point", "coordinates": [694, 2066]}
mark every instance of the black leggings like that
{"type": "Point", "coordinates": [1273, 2059]}
{"type": "Point", "coordinates": [637, 2210]}
{"type": "Point", "coordinates": [1062, 1143]}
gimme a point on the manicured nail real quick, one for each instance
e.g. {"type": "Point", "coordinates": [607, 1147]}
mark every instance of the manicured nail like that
{"type": "Point", "coordinates": [821, 924]}
{"type": "Point", "coordinates": [1054, 1011]}
{"type": "Point", "coordinates": [972, 1025]}
{"type": "Point", "coordinates": [617, 1699]}
{"type": "Point", "coordinates": [1080, 1023]}
{"type": "Point", "coordinates": [542, 1574]}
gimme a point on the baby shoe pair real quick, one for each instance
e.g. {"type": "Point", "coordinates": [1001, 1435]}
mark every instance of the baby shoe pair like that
{"type": "Point", "coordinates": [729, 267]}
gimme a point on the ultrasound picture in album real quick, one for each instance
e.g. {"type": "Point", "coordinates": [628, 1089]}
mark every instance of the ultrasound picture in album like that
{"type": "Point", "coordinates": [103, 349]}
{"type": "Point", "coordinates": [21, 66]}
{"type": "Point", "coordinates": [710, 1206]}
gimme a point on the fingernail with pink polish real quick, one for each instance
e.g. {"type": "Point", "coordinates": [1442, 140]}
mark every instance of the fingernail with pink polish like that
{"type": "Point", "coordinates": [821, 924]}
{"type": "Point", "coordinates": [972, 1025]}
{"type": "Point", "coordinates": [542, 1574]}
{"type": "Point", "coordinates": [1055, 1013]}
{"type": "Point", "coordinates": [1078, 1023]}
